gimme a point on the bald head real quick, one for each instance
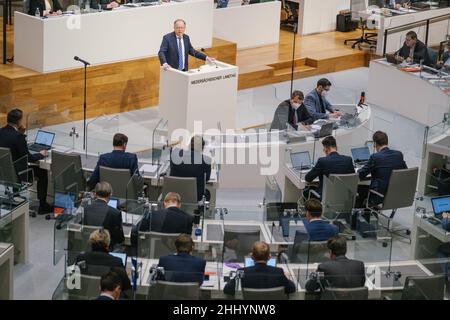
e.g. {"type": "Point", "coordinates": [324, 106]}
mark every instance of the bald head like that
{"type": "Point", "coordinates": [261, 252]}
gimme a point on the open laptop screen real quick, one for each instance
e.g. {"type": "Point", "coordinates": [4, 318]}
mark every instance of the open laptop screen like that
{"type": "Point", "coordinates": [250, 263]}
{"type": "Point", "coordinates": [44, 138]}
{"type": "Point", "coordinates": [301, 160]}
{"type": "Point", "coordinates": [113, 203]}
{"type": "Point", "coordinates": [122, 256]}
{"type": "Point", "coordinates": [360, 154]}
{"type": "Point", "coordinates": [440, 205]}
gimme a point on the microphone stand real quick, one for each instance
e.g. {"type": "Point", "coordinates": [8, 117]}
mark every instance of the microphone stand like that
{"type": "Point", "coordinates": [5, 14]}
{"type": "Point", "coordinates": [85, 63]}
{"type": "Point", "coordinates": [293, 56]}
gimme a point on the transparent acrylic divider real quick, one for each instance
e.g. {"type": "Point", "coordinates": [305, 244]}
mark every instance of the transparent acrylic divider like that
{"type": "Point", "coordinates": [60, 236]}
{"type": "Point", "coordinates": [5, 217]}
{"type": "Point", "coordinates": [100, 132]}
{"type": "Point", "coordinates": [160, 138]}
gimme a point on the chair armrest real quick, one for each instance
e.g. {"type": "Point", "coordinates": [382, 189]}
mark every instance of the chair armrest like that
{"type": "Point", "coordinates": [316, 194]}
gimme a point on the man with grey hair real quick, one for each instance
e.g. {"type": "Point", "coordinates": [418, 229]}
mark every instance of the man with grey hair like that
{"type": "Point", "coordinates": [100, 214]}
{"type": "Point", "coordinates": [176, 48]}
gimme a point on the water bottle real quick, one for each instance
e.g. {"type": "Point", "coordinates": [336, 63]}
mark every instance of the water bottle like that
{"type": "Point", "coordinates": [37, 13]}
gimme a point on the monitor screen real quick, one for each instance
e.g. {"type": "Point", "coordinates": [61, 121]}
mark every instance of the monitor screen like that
{"type": "Point", "coordinates": [122, 256]}
{"type": "Point", "coordinates": [360, 154]}
{"type": "Point", "coordinates": [250, 263]}
{"type": "Point", "coordinates": [64, 200]}
{"type": "Point", "coordinates": [113, 203]}
{"type": "Point", "coordinates": [44, 138]}
{"type": "Point", "coordinates": [441, 205]}
{"type": "Point", "coordinates": [301, 159]}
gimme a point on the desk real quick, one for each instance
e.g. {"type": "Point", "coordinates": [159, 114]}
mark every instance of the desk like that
{"type": "Point", "coordinates": [407, 94]}
{"type": "Point", "coordinates": [20, 221]}
{"type": "Point", "coordinates": [47, 45]}
{"type": "Point", "coordinates": [6, 271]}
{"type": "Point", "coordinates": [249, 26]}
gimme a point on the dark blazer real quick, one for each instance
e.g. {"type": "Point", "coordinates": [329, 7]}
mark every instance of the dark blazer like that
{"type": "Point", "coordinates": [104, 298]}
{"type": "Point", "coordinates": [116, 159]}
{"type": "Point", "coordinates": [334, 163]}
{"type": "Point", "coordinates": [41, 5]}
{"type": "Point", "coordinates": [446, 224]}
{"type": "Point", "coordinates": [380, 166]}
{"type": "Point", "coordinates": [183, 267]}
{"type": "Point", "coordinates": [285, 114]}
{"type": "Point", "coordinates": [104, 3]}
{"type": "Point", "coordinates": [97, 263]}
{"type": "Point", "coordinates": [188, 168]}
{"type": "Point", "coordinates": [320, 230]}
{"type": "Point", "coordinates": [420, 53]}
{"type": "Point", "coordinates": [101, 215]}
{"type": "Point", "coordinates": [170, 220]}
{"type": "Point", "coordinates": [17, 143]}
{"type": "Point", "coordinates": [261, 276]}
{"type": "Point", "coordinates": [387, 3]}
{"type": "Point", "coordinates": [312, 103]}
{"type": "Point", "coordinates": [340, 273]}
{"type": "Point", "coordinates": [168, 52]}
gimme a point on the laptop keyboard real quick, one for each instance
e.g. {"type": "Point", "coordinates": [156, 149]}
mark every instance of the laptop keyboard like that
{"type": "Point", "coordinates": [38, 147]}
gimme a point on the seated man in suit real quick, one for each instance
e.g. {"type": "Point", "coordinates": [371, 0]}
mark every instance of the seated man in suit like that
{"type": "Point", "coordinates": [110, 287]}
{"type": "Point", "coordinates": [318, 229]}
{"type": "Point", "coordinates": [317, 104]}
{"type": "Point", "coordinates": [12, 136]}
{"type": "Point", "coordinates": [182, 266]}
{"type": "Point", "coordinates": [444, 63]}
{"type": "Point", "coordinates": [104, 4]}
{"type": "Point", "coordinates": [117, 159]}
{"type": "Point", "coordinates": [169, 220]}
{"type": "Point", "coordinates": [339, 272]}
{"type": "Point", "coordinates": [176, 48]}
{"type": "Point", "coordinates": [98, 261]}
{"type": "Point", "coordinates": [332, 163]}
{"type": "Point", "coordinates": [291, 111]}
{"type": "Point", "coordinates": [261, 276]}
{"type": "Point", "coordinates": [394, 4]}
{"type": "Point", "coordinates": [192, 163]}
{"type": "Point", "coordinates": [46, 7]}
{"type": "Point", "coordinates": [413, 50]}
{"type": "Point", "coordinates": [101, 215]}
{"type": "Point", "coordinates": [379, 166]}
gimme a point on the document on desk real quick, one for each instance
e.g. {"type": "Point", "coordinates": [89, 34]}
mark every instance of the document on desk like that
{"type": "Point", "coordinates": [4, 212]}
{"type": "Point", "coordinates": [149, 169]}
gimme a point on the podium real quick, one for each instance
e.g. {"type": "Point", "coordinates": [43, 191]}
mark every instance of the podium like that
{"type": "Point", "coordinates": [207, 94]}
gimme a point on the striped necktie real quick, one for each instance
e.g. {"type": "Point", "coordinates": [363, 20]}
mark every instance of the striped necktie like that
{"type": "Point", "coordinates": [180, 55]}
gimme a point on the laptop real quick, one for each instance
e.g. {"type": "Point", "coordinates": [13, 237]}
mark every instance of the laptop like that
{"type": "Point", "coordinates": [43, 141]}
{"type": "Point", "coordinates": [325, 130]}
{"type": "Point", "coordinates": [250, 263]}
{"type": "Point", "coordinates": [122, 256]}
{"type": "Point", "coordinates": [113, 203]}
{"type": "Point", "coordinates": [301, 160]}
{"type": "Point", "coordinates": [440, 205]}
{"type": "Point", "coordinates": [360, 155]}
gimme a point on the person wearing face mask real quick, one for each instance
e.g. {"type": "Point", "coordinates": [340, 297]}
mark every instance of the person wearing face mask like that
{"type": "Point", "coordinates": [379, 166]}
{"type": "Point", "coordinates": [332, 163]}
{"type": "Point", "coordinates": [291, 111]}
{"type": "Point", "coordinates": [318, 105]}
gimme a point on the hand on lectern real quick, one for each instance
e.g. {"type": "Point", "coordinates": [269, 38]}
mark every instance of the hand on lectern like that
{"type": "Point", "coordinates": [210, 59]}
{"type": "Point", "coordinates": [166, 66]}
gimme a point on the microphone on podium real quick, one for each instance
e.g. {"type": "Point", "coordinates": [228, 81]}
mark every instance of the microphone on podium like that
{"type": "Point", "coordinates": [76, 58]}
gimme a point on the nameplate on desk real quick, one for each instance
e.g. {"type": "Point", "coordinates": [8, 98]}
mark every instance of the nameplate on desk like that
{"type": "Point", "coordinates": [215, 78]}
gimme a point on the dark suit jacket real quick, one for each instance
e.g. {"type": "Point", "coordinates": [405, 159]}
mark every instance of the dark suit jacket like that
{"type": "Point", "coordinates": [183, 267]}
{"type": "Point", "coordinates": [188, 168]}
{"type": "Point", "coordinates": [380, 166]}
{"type": "Point", "coordinates": [170, 220]}
{"type": "Point", "coordinates": [320, 230]}
{"type": "Point", "coordinates": [95, 4]}
{"type": "Point", "coordinates": [387, 3]}
{"type": "Point", "coordinates": [261, 276]}
{"type": "Point", "coordinates": [420, 53]}
{"type": "Point", "coordinates": [168, 52]}
{"type": "Point", "coordinates": [104, 298]}
{"type": "Point", "coordinates": [312, 103]}
{"type": "Point", "coordinates": [101, 215]}
{"type": "Point", "coordinates": [285, 114]}
{"type": "Point", "coordinates": [340, 273]}
{"type": "Point", "coordinates": [334, 163]}
{"type": "Point", "coordinates": [41, 5]}
{"type": "Point", "coordinates": [97, 263]}
{"type": "Point", "coordinates": [116, 159]}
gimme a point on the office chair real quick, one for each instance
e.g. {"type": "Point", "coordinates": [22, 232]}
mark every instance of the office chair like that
{"type": "Point", "coordinates": [400, 194]}
{"type": "Point", "coordinates": [153, 245]}
{"type": "Point", "coordinates": [67, 173]}
{"type": "Point", "coordinates": [356, 7]}
{"type": "Point", "coordinates": [78, 240]}
{"type": "Point", "coordinates": [89, 288]}
{"type": "Point", "coordinates": [424, 288]}
{"type": "Point", "coordinates": [305, 251]}
{"type": "Point", "coordinates": [345, 294]}
{"type": "Point", "coordinates": [433, 56]}
{"type": "Point", "coordinates": [185, 187]}
{"type": "Point", "coordinates": [123, 184]}
{"type": "Point", "coordinates": [165, 290]}
{"type": "Point", "coordinates": [276, 293]}
{"type": "Point", "coordinates": [238, 241]}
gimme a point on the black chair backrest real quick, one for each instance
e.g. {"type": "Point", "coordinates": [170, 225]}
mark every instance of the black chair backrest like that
{"type": "Point", "coordinates": [424, 288]}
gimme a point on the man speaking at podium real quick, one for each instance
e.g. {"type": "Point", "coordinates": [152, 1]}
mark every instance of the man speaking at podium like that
{"type": "Point", "coordinates": [175, 48]}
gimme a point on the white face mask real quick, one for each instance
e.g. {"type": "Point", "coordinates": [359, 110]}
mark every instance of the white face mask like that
{"type": "Point", "coordinates": [295, 105]}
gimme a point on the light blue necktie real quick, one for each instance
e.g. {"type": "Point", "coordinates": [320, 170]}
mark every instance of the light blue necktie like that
{"type": "Point", "coordinates": [180, 55]}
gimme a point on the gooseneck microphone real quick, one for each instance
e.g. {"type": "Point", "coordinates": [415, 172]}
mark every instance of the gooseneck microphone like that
{"type": "Point", "coordinates": [76, 58]}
